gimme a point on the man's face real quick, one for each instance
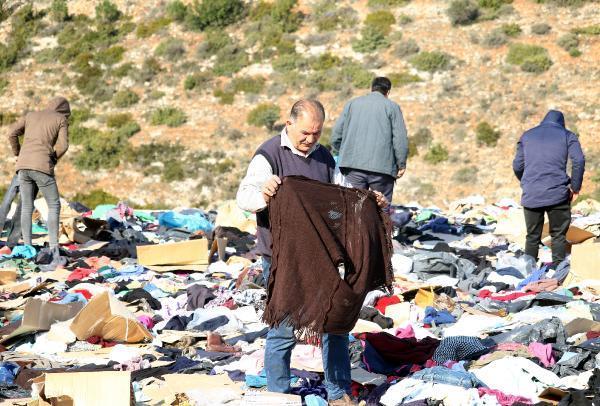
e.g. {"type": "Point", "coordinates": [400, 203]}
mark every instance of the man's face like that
{"type": "Point", "coordinates": [305, 132]}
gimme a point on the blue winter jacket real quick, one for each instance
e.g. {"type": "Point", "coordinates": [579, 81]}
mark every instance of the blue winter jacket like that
{"type": "Point", "coordinates": [541, 163]}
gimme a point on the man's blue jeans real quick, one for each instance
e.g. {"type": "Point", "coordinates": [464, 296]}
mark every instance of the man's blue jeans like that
{"type": "Point", "coordinates": [278, 354]}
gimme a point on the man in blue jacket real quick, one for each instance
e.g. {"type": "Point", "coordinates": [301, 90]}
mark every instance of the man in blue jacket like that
{"type": "Point", "coordinates": [541, 166]}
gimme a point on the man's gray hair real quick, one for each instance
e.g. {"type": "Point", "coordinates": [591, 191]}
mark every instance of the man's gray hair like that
{"type": "Point", "coordinates": [311, 106]}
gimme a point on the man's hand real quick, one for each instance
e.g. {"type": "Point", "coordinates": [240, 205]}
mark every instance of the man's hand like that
{"type": "Point", "coordinates": [574, 195]}
{"type": "Point", "coordinates": [381, 200]}
{"type": "Point", "coordinates": [270, 187]}
{"type": "Point", "coordinates": [400, 173]}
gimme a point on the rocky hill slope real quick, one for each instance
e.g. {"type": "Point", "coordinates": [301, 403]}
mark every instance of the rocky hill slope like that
{"type": "Point", "coordinates": [170, 99]}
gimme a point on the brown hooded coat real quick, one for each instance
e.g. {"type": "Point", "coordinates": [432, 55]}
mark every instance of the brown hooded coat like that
{"type": "Point", "coordinates": [46, 137]}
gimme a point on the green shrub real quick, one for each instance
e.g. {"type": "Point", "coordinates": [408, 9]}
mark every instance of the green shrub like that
{"type": "Point", "coordinates": [25, 24]}
{"type": "Point", "coordinates": [110, 56]}
{"type": "Point", "coordinates": [405, 19]}
{"type": "Point", "coordinates": [3, 85]}
{"type": "Point", "coordinates": [59, 10]}
{"type": "Point", "coordinates": [177, 11]}
{"type": "Point", "coordinates": [423, 136]}
{"type": "Point", "coordinates": [531, 58]}
{"type": "Point", "coordinates": [324, 62]}
{"type": "Point", "coordinates": [406, 48]}
{"type": "Point", "coordinates": [173, 171]}
{"type": "Point", "coordinates": [370, 41]}
{"type": "Point", "coordinates": [486, 135]}
{"type": "Point", "coordinates": [7, 118]}
{"type": "Point", "coordinates": [230, 60]}
{"type": "Point", "coordinates": [289, 62]}
{"type": "Point", "coordinates": [413, 148]}
{"type": "Point", "coordinates": [264, 115]}
{"type": "Point", "coordinates": [380, 20]}
{"type": "Point", "coordinates": [198, 81]}
{"type": "Point", "coordinates": [569, 42]}
{"type": "Point", "coordinates": [465, 175]}
{"type": "Point", "coordinates": [328, 17]}
{"type": "Point", "coordinates": [79, 135]}
{"type": "Point", "coordinates": [248, 84]}
{"type": "Point", "coordinates": [283, 15]}
{"type": "Point", "coordinates": [403, 78]}
{"type": "Point", "coordinates": [128, 130]}
{"type": "Point", "coordinates": [150, 68]}
{"type": "Point", "coordinates": [149, 28]}
{"type": "Point", "coordinates": [493, 4]}
{"type": "Point", "coordinates": [360, 77]}
{"type": "Point", "coordinates": [123, 70]}
{"type": "Point", "coordinates": [436, 154]}
{"type": "Point", "coordinates": [589, 30]}
{"type": "Point", "coordinates": [169, 116]}
{"type": "Point", "coordinates": [225, 97]}
{"type": "Point", "coordinates": [462, 12]}
{"type": "Point", "coordinates": [386, 3]}
{"type": "Point", "coordinates": [512, 30]}
{"type": "Point", "coordinates": [495, 38]}
{"type": "Point", "coordinates": [102, 151]}
{"type": "Point", "coordinates": [214, 13]}
{"type": "Point", "coordinates": [118, 120]}
{"type": "Point", "coordinates": [107, 12]}
{"type": "Point", "coordinates": [540, 29]}
{"type": "Point", "coordinates": [125, 98]}
{"type": "Point", "coordinates": [147, 154]}
{"type": "Point", "coordinates": [214, 40]}
{"type": "Point", "coordinates": [431, 61]}
{"type": "Point", "coordinates": [171, 49]}
{"type": "Point", "coordinates": [95, 198]}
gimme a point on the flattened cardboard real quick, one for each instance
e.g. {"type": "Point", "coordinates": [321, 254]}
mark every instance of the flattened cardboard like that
{"type": "Point", "coordinates": [585, 263]}
{"type": "Point", "coordinates": [552, 395]}
{"type": "Point", "coordinates": [575, 235]}
{"type": "Point", "coordinates": [193, 252]}
{"type": "Point", "coordinates": [8, 275]}
{"type": "Point", "coordinates": [270, 399]}
{"type": "Point", "coordinates": [91, 388]}
{"type": "Point", "coordinates": [173, 268]}
{"type": "Point", "coordinates": [581, 325]}
{"type": "Point", "coordinates": [107, 317]}
{"type": "Point", "coordinates": [39, 316]}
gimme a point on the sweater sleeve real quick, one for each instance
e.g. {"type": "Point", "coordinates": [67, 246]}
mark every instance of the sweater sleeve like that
{"type": "Point", "coordinates": [62, 142]}
{"type": "Point", "coordinates": [577, 162]}
{"type": "Point", "coordinates": [519, 161]}
{"type": "Point", "coordinates": [399, 137]}
{"type": "Point", "coordinates": [338, 130]}
{"type": "Point", "coordinates": [13, 136]}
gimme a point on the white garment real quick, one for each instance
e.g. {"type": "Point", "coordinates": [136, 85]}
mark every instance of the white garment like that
{"type": "Point", "coordinates": [410, 389]}
{"type": "Point", "coordinates": [249, 196]}
{"type": "Point", "coordinates": [517, 376]}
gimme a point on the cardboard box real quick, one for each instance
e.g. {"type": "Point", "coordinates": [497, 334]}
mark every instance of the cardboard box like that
{"type": "Point", "coordinates": [575, 235]}
{"type": "Point", "coordinates": [193, 252]}
{"type": "Point", "coordinates": [105, 316]}
{"type": "Point", "coordinates": [8, 275]}
{"type": "Point", "coordinates": [585, 263]}
{"type": "Point", "coordinates": [39, 316]}
{"type": "Point", "coordinates": [89, 388]}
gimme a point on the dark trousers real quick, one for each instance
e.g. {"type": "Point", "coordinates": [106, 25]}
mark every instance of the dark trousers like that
{"type": "Point", "coordinates": [14, 227]}
{"type": "Point", "coordinates": [559, 218]}
{"type": "Point", "coordinates": [380, 182]}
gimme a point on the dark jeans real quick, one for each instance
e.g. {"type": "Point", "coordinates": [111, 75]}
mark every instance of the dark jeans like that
{"type": "Point", "coordinates": [559, 217]}
{"type": "Point", "coordinates": [14, 229]}
{"type": "Point", "coordinates": [380, 182]}
{"type": "Point", "coordinates": [30, 181]}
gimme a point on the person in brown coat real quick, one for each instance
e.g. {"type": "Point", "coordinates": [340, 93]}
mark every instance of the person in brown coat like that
{"type": "Point", "coordinates": [45, 140]}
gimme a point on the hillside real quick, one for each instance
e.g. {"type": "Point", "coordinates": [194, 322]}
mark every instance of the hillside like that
{"type": "Point", "coordinates": [165, 93]}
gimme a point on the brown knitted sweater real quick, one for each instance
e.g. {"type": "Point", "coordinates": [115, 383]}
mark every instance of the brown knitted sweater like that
{"type": "Point", "coordinates": [315, 228]}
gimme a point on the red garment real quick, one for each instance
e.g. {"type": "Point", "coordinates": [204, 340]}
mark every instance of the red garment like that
{"type": "Point", "coordinates": [85, 293]}
{"type": "Point", "coordinates": [97, 262]}
{"type": "Point", "coordinates": [5, 250]}
{"type": "Point", "coordinates": [592, 334]}
{"type": "Point", "coordinates": [484, 293]}
{"type": "Point", "coordinates": [385, 301]}
{"type": "Point", "coordinates": [79, 274]}
{"type": "Point", "coordinates": [406, 332]}
{"type": "Point", "coordinates": [101, 341]}
{"type": "Point", "coordinates": [504, 399]}
{"type": "Point", "coordinates": [402, 350]}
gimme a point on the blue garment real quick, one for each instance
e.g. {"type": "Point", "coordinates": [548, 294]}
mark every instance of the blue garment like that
{"type": "Point", "coordinates": [535, 276]}
{"type": "Point", "coordinates": [72, 297]}
{"type": "Point", "coordinates": [278, 354]}
{"type": "Point", "coordinates": [541, 163]}
{"type": "Point", "coordinates": [438, 316]}
{"type": "Point", "coordinates": [449, 377]}
{"type": "Point", "coordinates": [260, 381]}
{"type": "Point", "coordinates": [191, 222]}
{"type": "Point", "coordinates": [314, 400]}
{"type": "Point", "coordinates": [22, 251]}
{"type": "Point", "coordinates": [8, 372]}
{"type": "Point", "coordinates": [440, 225]}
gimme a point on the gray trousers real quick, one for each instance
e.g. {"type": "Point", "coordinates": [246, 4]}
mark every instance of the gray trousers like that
{"type": "Point", "coordinates": [30, 181]}
{"type": "Point", "coordinates": [380, 182]}
{"type": "Point", "coordinates": [14, 229]}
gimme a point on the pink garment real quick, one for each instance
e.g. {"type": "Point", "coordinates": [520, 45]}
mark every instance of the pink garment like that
{"type": "Point", "coordinates": [511, 347]}
{"type": "Point", "coordinates": [97, 262]}
{"type": "Point", "coordinates": [406, 332]}
{"type": "Point", "coordinates": [543, 352]}
{"type": "Point", "coordinates": [503, 399]}
{"type": "Point", "coordinates": [5, 250]}
{"type": "Point", "coordinates": [146, 321]}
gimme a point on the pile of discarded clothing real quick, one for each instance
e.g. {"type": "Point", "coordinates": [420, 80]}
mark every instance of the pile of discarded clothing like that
{"type": "Point", "coordinates": [165, 307]}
